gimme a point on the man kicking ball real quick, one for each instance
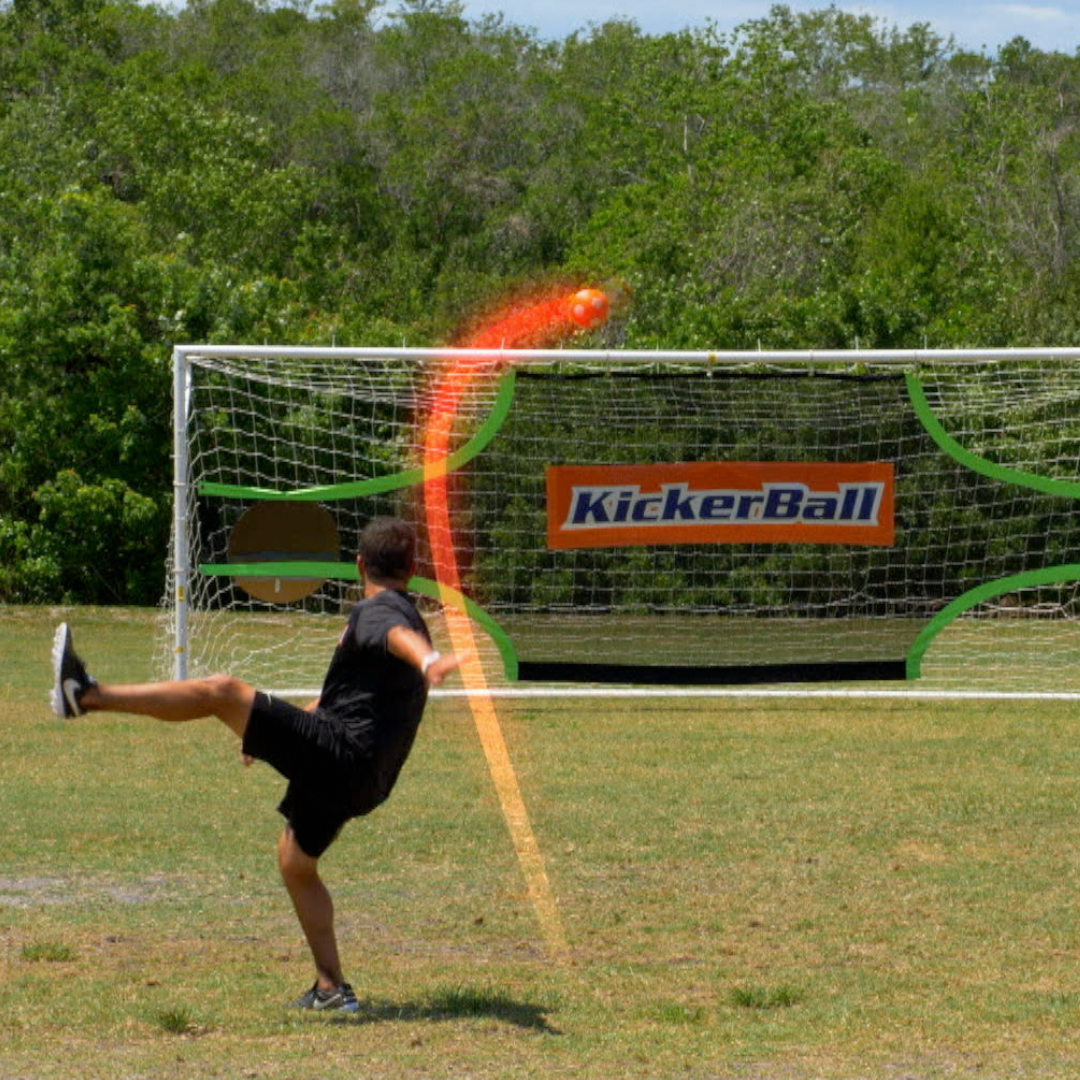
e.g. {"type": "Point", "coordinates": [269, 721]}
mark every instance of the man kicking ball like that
{"type": "Point", "coordinates": [341, 754]}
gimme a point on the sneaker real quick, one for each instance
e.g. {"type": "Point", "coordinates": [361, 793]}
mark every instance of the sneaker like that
{"type": "Point", "coordinates": [70, 680]}
{"type": "Point", "coordinates": [341, 999]}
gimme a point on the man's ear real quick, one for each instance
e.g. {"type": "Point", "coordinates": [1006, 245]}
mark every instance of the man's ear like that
{"type": "Point", "coordinates": [360, 566]}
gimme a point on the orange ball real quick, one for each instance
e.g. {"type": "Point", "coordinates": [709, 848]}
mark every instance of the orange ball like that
{"type": "Point", "coordinates": [589, 308]}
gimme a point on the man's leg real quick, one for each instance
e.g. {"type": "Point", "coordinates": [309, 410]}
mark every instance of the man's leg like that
{"type": "Point", "coordinates": [314, 908]}
{"type": "Point", "coordinates": [75, 693]}
{"type": "Point", "coordinates": [228, 699]}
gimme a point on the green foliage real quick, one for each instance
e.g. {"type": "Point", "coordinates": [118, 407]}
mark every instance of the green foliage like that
{"type": "Point", "coordinates": [240, 170]}
{"type": "Point", "coordinates": [101, 538]}
{"type": "Point", "coordinates": [27, 574]}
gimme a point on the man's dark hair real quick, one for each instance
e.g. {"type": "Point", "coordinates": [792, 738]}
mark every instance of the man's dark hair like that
{"type": "Point", "coordinates": [388, 548]}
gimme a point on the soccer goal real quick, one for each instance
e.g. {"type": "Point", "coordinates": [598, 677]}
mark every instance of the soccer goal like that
{"type": "Point", "coordinates": [766, 522]}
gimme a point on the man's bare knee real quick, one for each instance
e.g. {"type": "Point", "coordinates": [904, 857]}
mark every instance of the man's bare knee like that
{"type": "Point", "coordinates": [293, 862]}
{"type": "Point", "coordinates": [229, 699]}
{"type": "Point", "coordinates": [222, 687]}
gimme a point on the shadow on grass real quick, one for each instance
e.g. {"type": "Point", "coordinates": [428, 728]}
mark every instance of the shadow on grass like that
{"type": "Point", "coordinates": [455, 1004]}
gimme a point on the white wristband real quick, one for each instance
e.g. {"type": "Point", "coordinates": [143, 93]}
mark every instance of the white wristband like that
{"type": "Point", "coordinates": [429, 660]}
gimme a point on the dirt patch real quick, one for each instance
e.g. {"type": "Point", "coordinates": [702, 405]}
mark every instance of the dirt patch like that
{"type": "Point", "coordinates": [56, 890]}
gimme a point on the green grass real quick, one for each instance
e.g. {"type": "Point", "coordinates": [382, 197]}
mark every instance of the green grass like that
{"type": "Point", "coordinates": [836, 889]}
{"type": "Point", "coordinates": [761, 997]}
{"type": "Point", "coordinates": [52, 951]}
{"type": "Point", "coordinates": [175, 1021]}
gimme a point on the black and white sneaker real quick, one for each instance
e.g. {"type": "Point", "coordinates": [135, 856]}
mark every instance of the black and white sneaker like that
{"type": "Point", "coordinates": [70, 680]}
{"type": "Point", "coordinates": [341, 1000]}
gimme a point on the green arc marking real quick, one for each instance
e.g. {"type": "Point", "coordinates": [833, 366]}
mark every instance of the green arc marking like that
{"type": "Point", "coordinates": [1053, 575]}
{"type": "Point", "coordinates": [444, 594]}
{"type": "Point", "coordinates": [303, 570]}
{"type": "Point", "coordinates": [377, 485]}
{"type": "Point", "coordinates": [1047, 485]}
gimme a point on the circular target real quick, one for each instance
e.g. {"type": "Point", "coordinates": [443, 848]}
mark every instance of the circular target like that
{"type": "Point", "coordinates": [280, 533]}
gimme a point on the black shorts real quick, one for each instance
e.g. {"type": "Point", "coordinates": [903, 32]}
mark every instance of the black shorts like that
{"type": "Point", "coordinates": [329, 782]}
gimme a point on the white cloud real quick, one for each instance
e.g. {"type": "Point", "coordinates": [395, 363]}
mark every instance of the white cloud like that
{"type": "Point", "coordinates": [1038, 14]}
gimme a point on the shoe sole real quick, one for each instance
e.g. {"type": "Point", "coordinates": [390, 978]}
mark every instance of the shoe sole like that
{"type": "Point", "coordinates": [59, 648]}
{"type": "Point", "coordinates": [63, 698]}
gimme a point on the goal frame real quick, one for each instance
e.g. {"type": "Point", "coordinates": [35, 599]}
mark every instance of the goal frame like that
{"type": "Point", "coordinates": [178, 589]}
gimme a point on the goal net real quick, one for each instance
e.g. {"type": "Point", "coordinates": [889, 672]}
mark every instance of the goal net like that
{"type": "Point", "coordinates": [854, 520]}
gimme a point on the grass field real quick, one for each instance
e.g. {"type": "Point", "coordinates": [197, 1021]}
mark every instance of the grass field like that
{"type": "Point", "coordinates": [760, 889]}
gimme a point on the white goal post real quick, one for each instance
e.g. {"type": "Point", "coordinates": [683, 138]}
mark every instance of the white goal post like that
{"type": "Point", "coordinates": [624, 522]}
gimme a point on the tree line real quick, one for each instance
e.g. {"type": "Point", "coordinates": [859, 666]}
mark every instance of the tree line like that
{"type": "Point", "coordinates": [237, 170]}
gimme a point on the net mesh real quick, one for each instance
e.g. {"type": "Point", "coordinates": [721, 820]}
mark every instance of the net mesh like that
{"type": "Point", "coordinates": [986, 455]}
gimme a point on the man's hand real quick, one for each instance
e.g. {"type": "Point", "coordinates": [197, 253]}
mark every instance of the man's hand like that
{"type": "Point", "coordinates": [437, 670]}
{"type": "Point", "coordinates": [415, 649]}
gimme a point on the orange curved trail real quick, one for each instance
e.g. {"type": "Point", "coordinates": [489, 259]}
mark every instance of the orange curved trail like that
{"type": "Point", "coordinates": [542, 322]}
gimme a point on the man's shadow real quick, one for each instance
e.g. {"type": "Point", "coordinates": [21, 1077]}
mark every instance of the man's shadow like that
{"type": "Point", "coordinates": [457, 1004]}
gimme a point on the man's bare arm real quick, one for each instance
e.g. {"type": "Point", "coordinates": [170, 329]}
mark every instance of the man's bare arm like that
{"type": "Point", "coordinates": [415, 649]}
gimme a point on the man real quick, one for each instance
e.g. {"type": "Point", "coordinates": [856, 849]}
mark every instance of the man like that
{"type": "Point", "coordinates": [341, 755]}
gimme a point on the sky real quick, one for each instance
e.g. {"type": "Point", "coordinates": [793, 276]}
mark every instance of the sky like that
{"type": "Point", "coordinates": [976, 24]}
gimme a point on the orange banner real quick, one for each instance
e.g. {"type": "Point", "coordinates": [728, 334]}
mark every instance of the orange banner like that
{"type": "Point", "coordinates": [735, 502]}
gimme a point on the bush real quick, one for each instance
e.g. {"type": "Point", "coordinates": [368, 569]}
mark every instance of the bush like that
{"type": "Point", "coordinates": [105, 540]}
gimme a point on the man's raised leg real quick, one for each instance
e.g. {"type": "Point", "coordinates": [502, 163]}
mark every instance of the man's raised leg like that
{"type": "Point", "coordinates": [75, 693]}
{"type": "Point", "coordinates": [228, 699]}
